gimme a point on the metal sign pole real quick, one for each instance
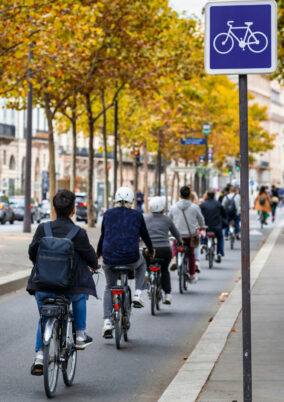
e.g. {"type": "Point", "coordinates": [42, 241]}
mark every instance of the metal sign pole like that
{"type": "Point", "coordinates": [246, 303]}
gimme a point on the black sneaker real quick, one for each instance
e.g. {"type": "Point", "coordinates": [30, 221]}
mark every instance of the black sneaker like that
{"type": "Point", "coordinates": [173, 267]}
{"type": "Point", "coordinates": [218, 259]}
{"type": "Point", "coordinates": [82, 343]}
{"type": "Point", "coordinates": [37, 368]}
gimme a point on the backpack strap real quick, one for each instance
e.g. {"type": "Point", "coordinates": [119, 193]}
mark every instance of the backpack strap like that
{"type": "Point", "coordinates": [47, 229]}
{"type": "Point", "coordinates": [72, 232]}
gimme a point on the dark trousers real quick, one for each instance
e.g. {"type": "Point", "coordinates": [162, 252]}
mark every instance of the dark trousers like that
{"type": "Point", "coordinates": [165, 254]}
{"type": "Point", "coordinates": [191, 256]}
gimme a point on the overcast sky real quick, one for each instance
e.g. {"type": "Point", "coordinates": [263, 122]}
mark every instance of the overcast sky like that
{"type": "Point", "coordinates": [191, 6]}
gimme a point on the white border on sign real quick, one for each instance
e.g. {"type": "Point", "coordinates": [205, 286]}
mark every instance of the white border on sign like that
{"type": "Point", "coordinates": [227, 71]}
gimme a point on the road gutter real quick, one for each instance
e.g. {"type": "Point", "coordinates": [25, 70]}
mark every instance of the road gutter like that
{"type": "Point", "coordinates": [193, 375]}
{"type": "Point", "coordinates": [14, 281]}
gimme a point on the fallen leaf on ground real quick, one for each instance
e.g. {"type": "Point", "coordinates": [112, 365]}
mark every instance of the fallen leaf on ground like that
{"type": "Point", "coordinates": [185, 357]}
{"type": "Point", "coordinates": [210, 319]}
{"type": "Point", "coordinates": [223, 296]}
{"type": "Point", "coordinates": [235, 330]}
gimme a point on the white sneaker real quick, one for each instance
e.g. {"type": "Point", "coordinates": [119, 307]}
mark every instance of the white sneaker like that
{"type": "Point", "coordinates": [137, 299]}
{"type": "Point", "coordinates": [168, 298]}
{"type": "Point", "coordinates": [107, 329]}
{"type": "Point", "coordinates": [197, 267]}
{"type": "Point", "coordinates": [193, 281]}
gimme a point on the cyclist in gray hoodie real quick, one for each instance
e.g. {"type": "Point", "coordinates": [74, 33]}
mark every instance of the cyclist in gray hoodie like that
{"type": "Point", "coordinates": [187, 226]}
{"type": "Point", "coordinates": [159, 226]}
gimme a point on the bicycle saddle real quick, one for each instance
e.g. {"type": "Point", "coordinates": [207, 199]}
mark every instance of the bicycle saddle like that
{"type": "Point", "coordinates": [248, 23]}
{"type": "Point", "coordinates": [230, 22]}
{"type": "Point", "coordinates": [121, 268]}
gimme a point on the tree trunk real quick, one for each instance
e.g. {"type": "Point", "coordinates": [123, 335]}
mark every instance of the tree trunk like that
{"type": "Point", "coordinates": [52, 172]}
{"type": "Point", "coordinates": [178, 186]}
{"type": "Point", "coordinates": [173, 188]}
{"type": "Point", "coordinates": [74, 146]}
{"type": "Point", "coordinates": [166, 188]}
{"type": "Point", "coordinates": [145, 168]}
{"type": "Point", "coordinates": [90, 199]}
{"type": "Point", "coordinates": [135, 185]}
{"type": "Point", "coordinates": [120, 163]}
{"type": "Point", "coordinates": [106, 192]}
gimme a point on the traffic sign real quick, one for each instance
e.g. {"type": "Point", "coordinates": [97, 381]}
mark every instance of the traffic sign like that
{"type": "Point", "coordinates": [201, 158]}
{"type": "Point", "coordinates": [206, 128]}
{"type": "Point", "coordinates": [193, 141]}
{"type": "Point", "coordinates": [241, 37]}
{"type": "Point", "coordinates": [251, 183]}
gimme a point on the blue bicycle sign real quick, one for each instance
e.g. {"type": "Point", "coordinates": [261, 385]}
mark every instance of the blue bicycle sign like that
{"type": "Point", "coordinates": [241, 37]}
{"type": "Point", "coordinates": [255, 41]}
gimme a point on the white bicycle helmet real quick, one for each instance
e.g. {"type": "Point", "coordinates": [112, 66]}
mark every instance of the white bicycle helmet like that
{"type": "Point", "coordinates": [124, 194]}
{"type": "Point", "coordinates": [157, 204]}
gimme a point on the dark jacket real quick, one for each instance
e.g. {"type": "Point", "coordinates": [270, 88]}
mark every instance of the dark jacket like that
{"type": "Point", "coordinates": [85, 257]}
{"type": "Point", "coordinates": [121, 231]}
{"type": "Point", "coordinates": [214, 214]}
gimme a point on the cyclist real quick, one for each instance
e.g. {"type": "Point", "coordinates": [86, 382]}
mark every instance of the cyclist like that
{"type": "Point", "coordinates": [274, 194]}
{"type": "Point", "coordinates": [214, 213]}
{"type": "Point", "coordinates": [186, 216]}
{"type": "Point", "coordinates": [82, 283]}
{"type": "Point", "coordinates": [158, 226]}
{"type": "Point", "coordinates": [121, 230]}
{"type": "Point", "coordinates": [195, 202]}
{"type": "Point", "coordinates": [232, 204]}
{"type": "Point", "coordinates": [262, 203]}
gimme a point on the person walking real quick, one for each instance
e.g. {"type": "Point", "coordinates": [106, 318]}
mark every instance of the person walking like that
{"type": "Point", "coordinates": [262, 203]}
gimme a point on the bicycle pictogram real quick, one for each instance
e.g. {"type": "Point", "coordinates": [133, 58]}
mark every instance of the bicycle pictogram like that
{"type": "Point", "coordinates": [256, 41]}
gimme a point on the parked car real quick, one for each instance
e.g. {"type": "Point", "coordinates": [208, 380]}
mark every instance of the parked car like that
{"type": "Point", "coordinates": [45, 208]}
{"type": "Point", "coordinates": [82, 208]}
{"type": "Point", "coordinates": [17, 202]}
{"type": "Point", "coordinates": [6, 212]}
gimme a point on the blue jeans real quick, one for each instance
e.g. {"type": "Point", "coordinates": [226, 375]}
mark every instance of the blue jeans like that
{"type": "Point", "coordinates": [237, 227]}
{"type": "Point", "coordinates": [79, 308]}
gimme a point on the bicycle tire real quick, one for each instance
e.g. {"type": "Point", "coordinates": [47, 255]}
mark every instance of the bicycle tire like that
{"type": "Point", "coordinates": [232, 240]}
{"type": "Point", "coordinates": [118, 328]}
{"type": "Point", "coordinates": [158, 298]}
{"type": "Point", "coordinates": [51, 354]}
{"type": "Point", "coordinates": [153, 299]}
{"type": "Point", "coordinates": [184, 275]}
{"type": "Point", "coordinates": [71, 359]}
{"type": "Point", "coordinates": [180, 276]}
{"type": "Point", "coordinates": [210, 259]}
{"type": "Point", "coordinates": [127, 314]}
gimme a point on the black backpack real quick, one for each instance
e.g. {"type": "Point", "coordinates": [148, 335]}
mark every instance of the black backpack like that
{"type": "Point", "coordinates": [230, 207]}
{"type": "Point", "coordinates": [54, 267]}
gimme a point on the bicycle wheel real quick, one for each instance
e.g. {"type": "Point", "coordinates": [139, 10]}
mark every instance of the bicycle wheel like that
{"type": "Point", "coordinates": [210, 258]}
{"type": "Point", "coordinates": [69, 365]}
{"type": "Point", "coordinates": [223, 43]}
{"type": "Point", "coordinates": [232, 240]}
{"type": "Point", "coordinates": [153, 298]}
{"type": "Point", "coordinates": [185, 275]}
{"type": "Point", "coordinates": [158, 297]}
{"type": "Point", "coordinates": [180, 278]}
{"type": "Point", "coordinates": [126, 324]}
{"type": "Point", "coordinates": [51, 362]}
{"type": "Point", "coordinates": [257, 42]}
{"type": "Point", "coordinates": [118, 328]}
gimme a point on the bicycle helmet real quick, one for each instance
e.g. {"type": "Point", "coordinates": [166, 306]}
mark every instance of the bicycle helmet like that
{"type": "Point", "coordinates": [157, 204]}
{"type": "Point", "coordinates": [124, 194]}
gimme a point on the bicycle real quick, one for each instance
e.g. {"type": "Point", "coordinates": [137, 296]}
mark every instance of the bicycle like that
{"type": "Point", "coordinates": [232, 234]}
{"type": "Point", "coordinates": [155, 284]}
{"type": "Point", "coordinates": [224, 42]}
{"type": "Point", "coordinates": [59, 349]}
{"type": "Point", "coordinates": [210, 252]}
{"type": "Point", "coordinates": [262, 219]}
{"type": "Point", "coordinates": [182, 267]}
{"type": "Point", "coordinates": [121, 311]}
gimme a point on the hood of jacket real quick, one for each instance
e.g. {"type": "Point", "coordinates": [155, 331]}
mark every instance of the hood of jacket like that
{"type": "Point", "coordinates": [183, 204]}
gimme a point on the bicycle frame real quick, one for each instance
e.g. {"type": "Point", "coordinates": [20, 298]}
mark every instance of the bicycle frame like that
{"type": "Point", "coordinates": [248, 33]}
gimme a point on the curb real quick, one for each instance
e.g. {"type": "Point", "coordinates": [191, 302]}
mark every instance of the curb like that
{"type": "Point", "coordinates": [187, 385]}
{"type": "Point", "coordinates": [14, 281]}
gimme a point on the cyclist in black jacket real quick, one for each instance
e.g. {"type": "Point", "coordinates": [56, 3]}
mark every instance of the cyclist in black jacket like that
{"type": "Point", "coordinates": [214, 215]}
{"type": "Point", "coordinates": [82, 284]}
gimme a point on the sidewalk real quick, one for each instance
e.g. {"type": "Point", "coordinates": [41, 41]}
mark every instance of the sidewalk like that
{"type": "Point", "coordinates": [225, 383]}
{"type": "Point", "coordinates": [213, 371]}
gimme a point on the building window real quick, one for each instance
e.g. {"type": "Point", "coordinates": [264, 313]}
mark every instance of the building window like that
{"type": "Point", "coordinates": [4, 158]}
{"type": "Point", "coordinates": [12, 163]}
{"type": "Point", "coordinates": [275, 97]}
{"type": "Point", "coordinates": [38, 118]}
